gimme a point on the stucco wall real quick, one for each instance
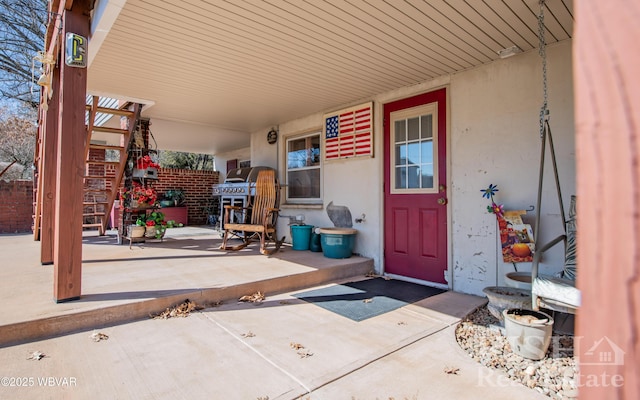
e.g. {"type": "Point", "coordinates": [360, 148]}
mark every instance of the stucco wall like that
{"type": "Point", "coordinates": [353, 183]}
{"type": "Point", "coordinates": [220, 160]}
{"type": "Point", "coordinates": [493, 137]}
{"type": "Point", "coordinates": [205, 139]}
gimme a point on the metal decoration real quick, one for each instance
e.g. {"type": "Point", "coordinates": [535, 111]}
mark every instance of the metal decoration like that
{"type": "Point", "coordinates": [272, 136]}
{"type": "Point", "coordinates": [75, 51]}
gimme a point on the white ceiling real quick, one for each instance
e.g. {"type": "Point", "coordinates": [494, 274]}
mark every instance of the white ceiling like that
{"type": "Point", "coordinates": [242, 65]}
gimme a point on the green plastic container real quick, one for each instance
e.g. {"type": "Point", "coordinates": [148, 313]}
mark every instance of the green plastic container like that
{"type": "Point", "coordinates": [337, 242]}
{"type": "Point", "coordinates": [301, 236]}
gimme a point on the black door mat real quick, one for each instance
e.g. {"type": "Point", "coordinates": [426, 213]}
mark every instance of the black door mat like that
{"type": "Point", "coordinates": [368, 298]}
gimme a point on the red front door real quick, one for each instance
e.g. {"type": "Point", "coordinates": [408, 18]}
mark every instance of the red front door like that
{"type": "Point", "coordinates": [415, 211]}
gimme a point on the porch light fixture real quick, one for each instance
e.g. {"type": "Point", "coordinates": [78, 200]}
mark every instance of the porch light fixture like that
{"type": "Point", "coordinates": [509, 51]}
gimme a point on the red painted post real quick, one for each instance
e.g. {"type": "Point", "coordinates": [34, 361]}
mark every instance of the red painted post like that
{"type": "Point", "coordinates": [70, 164]}
{"type": "Point", "coordinates": [47, 190]}
{"type": "Point", "coordinates": [607, 93]}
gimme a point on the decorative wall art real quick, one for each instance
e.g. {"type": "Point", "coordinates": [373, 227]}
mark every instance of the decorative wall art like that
{"type": "Point", "coordinates": [516, 237]}
{"type": "Point", "coordinates": [349, 132]}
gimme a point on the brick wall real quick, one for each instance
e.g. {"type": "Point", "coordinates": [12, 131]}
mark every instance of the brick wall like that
{"type": "Point", "coordinates": [16, 197]}
{"type": "Point", "coordinates": [16, 206]}
{"type": "Point", "coordinates": [196, 186]}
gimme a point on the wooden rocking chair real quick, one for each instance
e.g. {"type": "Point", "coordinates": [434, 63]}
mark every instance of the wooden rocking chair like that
{"type": "Point", "coordinates": [263, 214]}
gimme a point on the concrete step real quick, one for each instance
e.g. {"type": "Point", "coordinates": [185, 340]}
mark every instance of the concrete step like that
{"type": "Point", "coordinates": [136, 309]}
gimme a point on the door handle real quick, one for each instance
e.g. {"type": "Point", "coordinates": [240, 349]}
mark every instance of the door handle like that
{"type": "Point", "coordinates": [442, 201]}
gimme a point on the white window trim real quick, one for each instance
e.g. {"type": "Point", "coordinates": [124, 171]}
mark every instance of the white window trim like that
{"type": "Point", "coordinates": [293, 202]}
{"type": "Point", "coordinates": [431, 108]}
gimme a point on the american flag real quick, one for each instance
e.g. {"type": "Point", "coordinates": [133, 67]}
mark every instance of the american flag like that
{"type": "Point", "coordinates": [349, 133]}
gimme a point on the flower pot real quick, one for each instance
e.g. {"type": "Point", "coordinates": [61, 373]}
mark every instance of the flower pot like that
{"type": "Point", "coordinates": [301, 236]}
{"type": "Point", "coordinates": [155, 232]}
{"type": "Point", "coordinates": [520, 280]}
{"type": "Point", "coordinates": [150, 232]}
{"type": "Point", "coordinates": [337, 242]}
{"type": "Point", "coordinates": [139, 206]}
{"type": "Point", "coordinates": [135, 231]}
{"type": "Point", "coordinates": [167, 203]}
{"type": "Point", "coordinates": [147, 173]}
{"type": "Point", "coordinates": [528, 332]}
{"type": "Point", "coordinates": [503, 297]}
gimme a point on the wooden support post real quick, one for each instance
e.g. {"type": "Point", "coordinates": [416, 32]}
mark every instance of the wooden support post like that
{"type": "Point", "coordinates": [47, 189]}
{"type": "Point", "coordinates": [70, 164]}
{"type": "Point", "coordinates": [607, 93]}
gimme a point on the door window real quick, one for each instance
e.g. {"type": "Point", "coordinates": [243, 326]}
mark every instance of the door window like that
{"type": "Point", "coordinates": [414, 155]}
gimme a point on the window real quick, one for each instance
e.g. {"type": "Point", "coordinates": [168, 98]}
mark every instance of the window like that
{"type": "Point", "coordinates": [303, 169]}
{"type": "Point", "coordinates": [414, 153]}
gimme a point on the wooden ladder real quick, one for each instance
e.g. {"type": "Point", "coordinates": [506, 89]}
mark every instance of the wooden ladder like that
{"type": "Point", "coordinates": [100, 187]}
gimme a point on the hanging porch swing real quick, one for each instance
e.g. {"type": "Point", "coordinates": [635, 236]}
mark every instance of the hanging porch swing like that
{"type": "Point", "coordinates": [557, 293]}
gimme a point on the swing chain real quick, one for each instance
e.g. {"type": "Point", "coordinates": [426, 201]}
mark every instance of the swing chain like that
{"type": "Point", "coordinates": [544, 111]}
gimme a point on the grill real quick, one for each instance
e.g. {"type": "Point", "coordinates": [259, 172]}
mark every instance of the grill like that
{"type": "Point", "coordinates": [237, 189]}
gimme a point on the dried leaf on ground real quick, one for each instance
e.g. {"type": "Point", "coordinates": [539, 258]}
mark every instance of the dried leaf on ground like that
{"type": "Point", "coordinates": [98, 336]}
{"type": "Point", "coordinates": [371, 274]}
{"type": "Point", "coordinates": [367, 300]}
{"type": "Point", "coordinates": [304, 353]}
{"type": "Point", "coordinates": [451, 370]}
{"type": "Point", "coordinates": [36, 356]}
{"type": "Point", "coordinates": [402, 323]}
{"type": "Point", "coordinates": [181, 310]}
{"type": "Point", "coordinates": [301, 351]}
{"type": "Point", "coordinates": [257, 297]}
{"type": "Point", "coordinates": [248, 334]}
{"type": "Point", "coordinates": [285, 302]}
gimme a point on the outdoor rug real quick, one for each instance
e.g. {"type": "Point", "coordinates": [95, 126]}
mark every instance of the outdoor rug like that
{"type": "Point", "coordinates": [368, 298]}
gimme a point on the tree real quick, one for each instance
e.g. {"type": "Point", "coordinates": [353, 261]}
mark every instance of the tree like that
{"type": "Point", "coordinates": [22, 30]}
{"type": "Point", "coordinates": [180, 160]}
{"type": "Point", "coordinates": [17, 142]}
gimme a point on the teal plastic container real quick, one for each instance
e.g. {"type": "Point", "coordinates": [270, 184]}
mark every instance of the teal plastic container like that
{"type": "Point", "coordinates": [301, 236]}
{"type": "Point", "coordinates": [315, 241]}
{"type": "Point", "coordinates": [337, 242]}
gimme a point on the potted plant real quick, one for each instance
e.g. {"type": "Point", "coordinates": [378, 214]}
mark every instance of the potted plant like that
{"type": "Point", "coordinates": [145, 167]}
{"type": "Point", "coordinates": [154, 223]}
{"type": "Point", "coordinates": [211, 210]}
{"type": "Point", "coordinates": [140, 197]}
{"type": "Point", "coordinates": [174, 196]}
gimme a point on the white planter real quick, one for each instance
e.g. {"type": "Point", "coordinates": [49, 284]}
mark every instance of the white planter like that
{"type": "Point", "coordinates": [528, 332]}
{"type": "Point", "coordinates": [135, 231]}
{"type": "Point", "coordinates": [520, 280]}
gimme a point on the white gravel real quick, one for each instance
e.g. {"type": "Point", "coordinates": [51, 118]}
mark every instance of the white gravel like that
{"type": "Point", "coordinates": [480, 335]}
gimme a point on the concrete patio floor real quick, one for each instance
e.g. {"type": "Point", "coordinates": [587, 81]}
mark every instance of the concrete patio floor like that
{"type": "Point", "coordinates": [230, 351]}
{"type": "Point", "coordinates": [120, 283]}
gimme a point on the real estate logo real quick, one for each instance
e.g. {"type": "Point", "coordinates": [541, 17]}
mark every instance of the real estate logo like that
{"type": "Point", "coordinates": [603, 352]}
{"type": "Point", "coordinates": [603, 360]}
